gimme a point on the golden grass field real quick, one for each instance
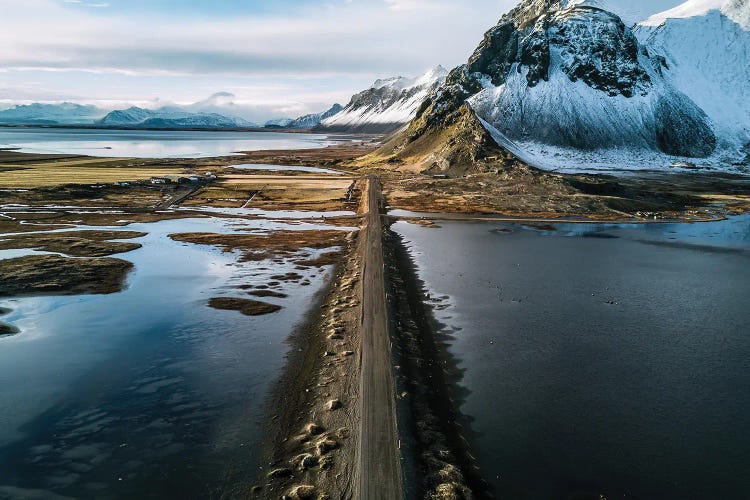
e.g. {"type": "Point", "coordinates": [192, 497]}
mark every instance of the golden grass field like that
{"type": "Point", "coordinates": [52, 173]}
{"type": "Point", "coordinates": [237, 190]}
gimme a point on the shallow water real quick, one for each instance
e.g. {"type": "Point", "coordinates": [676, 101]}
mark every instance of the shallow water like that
{"type": "Point", "coordinates": [285, 168]}
{"type": "Point", "coordinates": [609, 359]}
{"type": "Point", "coordinates": [276, 214]}
{"type": "Point", "coordinates": [148, 392]}
{"type": "Point", "coordinates": [152, 143]}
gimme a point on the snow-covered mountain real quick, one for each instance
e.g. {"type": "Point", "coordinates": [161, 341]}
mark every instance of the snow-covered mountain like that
{"type": "Point", "coordinates": [705, 49]}
{"type": "Point", "coordinates": [387, 105]}
{"type": "Point", "coordinates": [170, 117]}
{"type": "Point", "coordinates": [566, 85]}
{"type": "Point", "coordinates": [313, 120]}
{"type": "Point", "coordinates": [66, 113]}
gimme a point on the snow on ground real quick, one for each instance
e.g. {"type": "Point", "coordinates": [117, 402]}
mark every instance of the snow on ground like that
{"type": "Point", "coordinates": [606, 161]}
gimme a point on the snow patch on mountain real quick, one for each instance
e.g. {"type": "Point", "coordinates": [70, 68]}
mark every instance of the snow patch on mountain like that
{"type": "Point", "coordinates": [575, 160]}
{"type": "Point", "coordinates": [706, 52]}
{"type": "Point", "coordinates": [387, 105]}
{"type": "Point", "coordinates": [736, 10]}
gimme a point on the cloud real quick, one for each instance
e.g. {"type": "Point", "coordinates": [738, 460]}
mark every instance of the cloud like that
{"type": "Point", "coordinates": [276, 63]}
{"type": "Point", "coordinates": [373, 37]}
{"type": "Point", "coordinates": [288, 55]}
{"type": "Point", "coordinates": [415, 5]}
{"type": "Point", "coordinates": [96, 5]}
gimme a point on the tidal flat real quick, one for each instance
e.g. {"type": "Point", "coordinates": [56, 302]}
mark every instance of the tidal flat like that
{"type": "Point", "coordinates": [128, 322]}
{"type": "Point", "coordinates": [105, 391]}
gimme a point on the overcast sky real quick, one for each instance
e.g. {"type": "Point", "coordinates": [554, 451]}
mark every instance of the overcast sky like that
{"type": "Point", "coordinates": [278, 57]}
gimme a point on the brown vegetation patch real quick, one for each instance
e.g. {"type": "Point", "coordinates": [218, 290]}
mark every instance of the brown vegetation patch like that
{"type": "Point", "coordinates": [56, 275]}
{"type": "Point", "coordinates": [247, 307]}
{"type": "Point", "coordinates": [14, 226]}
{"type": "Point", "coordinates": [326, 259]}
{"type": "Point", "coordinates": [321, 157]}
{"type": "Point", "coordinates": [59, 219]}
{"type": "Point", "coordinates": [6, 329]}
{"type": "Point", "coordinates": [75, 243]}
{"type": "Point", "coordinates": [287, 277]}
{"type": "Point", "coordinates": [276, 192]}
{"type": "Point", "coordinates": [268, 293]}
{"type": "Point", "coordinates": [522, 192]}
{"type": "Point", "coordinates": [261, 246]}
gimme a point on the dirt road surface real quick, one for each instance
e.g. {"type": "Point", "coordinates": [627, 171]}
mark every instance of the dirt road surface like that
{"type": "Point", "coordinates": [379, 472]}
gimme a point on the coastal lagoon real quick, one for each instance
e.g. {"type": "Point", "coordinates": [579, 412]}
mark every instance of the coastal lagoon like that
{"type": "Point", "coordinates": [152, 143]}
{"type": "Point", "coordinates": [597, 359]}
{"type": "Point", "coordinates": [148, 392]}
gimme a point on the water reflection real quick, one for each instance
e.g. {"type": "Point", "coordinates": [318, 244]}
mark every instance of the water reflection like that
{"type": "Point", "coordinates": [152, 143]}
{"type": "Point", "coordinates": [614, 365]}
{"type": "Point", "coordinates": [147, 392]}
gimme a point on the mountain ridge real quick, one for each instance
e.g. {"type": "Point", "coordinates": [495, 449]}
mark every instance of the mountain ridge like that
{"type": "Point", "coordinates": [170, 117]}
{"type": "Point", "coordinates": [386, 106]}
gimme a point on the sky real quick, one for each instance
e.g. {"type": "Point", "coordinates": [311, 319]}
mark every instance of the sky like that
{"type": "Point", "coordinates": [277, 57]}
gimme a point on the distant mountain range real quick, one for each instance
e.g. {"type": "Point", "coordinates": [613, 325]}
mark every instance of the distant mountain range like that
{"type": "Point", "coordinates": [567, 85]}
{"type": "Point", "coordinates": [171, 117]}
{"type": "Point", "coordinates": [194, 116]}
{"type": "Point", "coordinates": [66, 113]}
{"type": "Point", "coordinates": [313, 120]}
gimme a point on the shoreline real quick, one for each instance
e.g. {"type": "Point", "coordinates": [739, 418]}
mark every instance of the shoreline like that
{"type": "Point", "coordinates": [313, 412]}
{"type": "Point", "coordinates": [89, 126]}
{"type": "Point", "coordinates": [440, 436]}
